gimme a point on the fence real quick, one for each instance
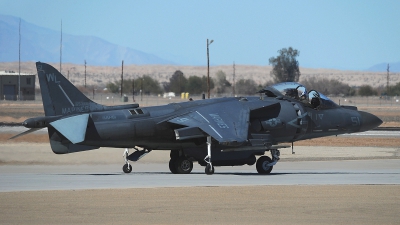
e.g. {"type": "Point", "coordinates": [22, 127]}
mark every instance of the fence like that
{"type": "Point", "coordinates": [151, 100]}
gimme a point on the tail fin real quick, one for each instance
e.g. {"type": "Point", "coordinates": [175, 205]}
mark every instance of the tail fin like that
{"type": "Point", "coordinates": [61, 97]}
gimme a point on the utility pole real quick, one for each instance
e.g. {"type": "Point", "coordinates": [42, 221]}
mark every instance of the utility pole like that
{"type": "Point", "coordinates": [19, 62]}
{"type": "Point", "coordinates": [233, 85]}
{"type": "Point", "coordinates": [133, 89]}
{"type": "Point", "coordinates": [208, 69]}
{"type": "Point", "coordinates": [85, 73]}
{"type": "Point", "coordinates": [61, 47]}
{"type": "Point", "coordinates": [122, 77]}
{"type": "Point", "coordinates": [387, 80]}
{"type": "Point", "coordinates": [141, 90]}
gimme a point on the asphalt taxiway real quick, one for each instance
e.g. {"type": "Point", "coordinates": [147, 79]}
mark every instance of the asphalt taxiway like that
{"type": "Point", "coordinates": [145, 175]}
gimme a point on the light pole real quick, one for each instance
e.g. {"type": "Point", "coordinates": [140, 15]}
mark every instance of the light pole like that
{"type": "Point", "coordinates": [208, 68]}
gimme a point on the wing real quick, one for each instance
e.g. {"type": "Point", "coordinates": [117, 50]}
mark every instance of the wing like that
{"type": "Point", "coordinates": [227, 122]}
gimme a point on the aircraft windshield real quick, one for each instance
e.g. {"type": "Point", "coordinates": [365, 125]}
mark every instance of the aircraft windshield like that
{"type": "Point", "coordinates": [323, 102]}
{"type": "Point", "coordinates": [291, 89]}
{"type": "Point", "coordinates": [299, 92]}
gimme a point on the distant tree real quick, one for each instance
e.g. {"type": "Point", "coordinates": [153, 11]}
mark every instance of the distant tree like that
{"type": "Point", "coordinates": [221, 84]}
{"type": "Point", "coordinates": [149, 85]}
{"type": "Point", "coordinates": [285, 67]}
{"type": "Point", "coordinates": [113, 87]}
{"type": "Point", "coordinates": [176, 83]}
{"type": "Point", "coordinates": [367, 90]}
{"type": "Point", "coordinates": [204, 83]}
{"type": "Point", "coordinates": [328, 86]}
{"type": "Point", "coordinates": [195, 85]}
{"type": "Point", "coordinates": [246, 87]}
{"type": "Point", "coordinates": [394, 90]}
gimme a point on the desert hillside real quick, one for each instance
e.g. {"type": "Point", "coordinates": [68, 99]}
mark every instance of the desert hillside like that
{"type": "Point", "coordinates": [101, 75]}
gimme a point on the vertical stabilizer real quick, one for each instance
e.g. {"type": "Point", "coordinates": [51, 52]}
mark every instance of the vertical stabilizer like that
{"type": "Point", "coordinates": [61, 97]}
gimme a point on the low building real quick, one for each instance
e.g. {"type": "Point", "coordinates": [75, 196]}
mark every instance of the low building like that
{"type": "Point", "coordinates": [9, 86]}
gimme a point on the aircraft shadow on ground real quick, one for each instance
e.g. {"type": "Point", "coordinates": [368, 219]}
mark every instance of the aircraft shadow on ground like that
{"type": "Point", "coordinates": [228, 173]}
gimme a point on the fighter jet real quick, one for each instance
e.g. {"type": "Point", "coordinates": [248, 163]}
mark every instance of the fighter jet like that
{"type": "Point", "coordinates": [228, 131]}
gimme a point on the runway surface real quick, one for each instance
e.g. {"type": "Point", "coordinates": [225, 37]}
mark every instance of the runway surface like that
{"type": "Point", "coordinates": [78, 177]}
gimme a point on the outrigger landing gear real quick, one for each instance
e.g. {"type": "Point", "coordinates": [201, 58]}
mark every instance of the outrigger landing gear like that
{"type": "Point", "coordinates": [127, 168]}
{"type": "Point", "coordinates": [209, 168]}
{"type": "Point", "coordinates": [135, 156]}
{"type": "Point", "coordinates": [265, 164]}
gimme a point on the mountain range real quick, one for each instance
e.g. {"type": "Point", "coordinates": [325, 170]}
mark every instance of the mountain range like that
{"type": "Point", "coordinates": [42, 44]}
{"type": "Point", "coordinates": [382, 67]}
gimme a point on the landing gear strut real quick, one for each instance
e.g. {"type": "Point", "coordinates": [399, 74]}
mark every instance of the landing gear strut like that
{"type": "Point", "coordinates": [209, 168]}
{"type": "Point", "coordinates": [265, 164]}
{"type": "Point", "coordinates": [127, 168]}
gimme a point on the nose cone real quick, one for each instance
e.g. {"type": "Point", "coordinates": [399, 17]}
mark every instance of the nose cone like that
{"type": "Point", "coordinates": [25, 123]}
{"type": "Point", "coordinates": [369, 121]}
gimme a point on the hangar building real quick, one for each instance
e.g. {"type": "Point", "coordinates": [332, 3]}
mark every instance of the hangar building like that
{"type": "Point", "coordinates": [9, 86]}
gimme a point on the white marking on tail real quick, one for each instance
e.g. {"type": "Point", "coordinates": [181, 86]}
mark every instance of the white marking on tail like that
{"type": "Point", "coordinates": [52, 77]}
{"type": "Point", "coordinates": [66, 95]}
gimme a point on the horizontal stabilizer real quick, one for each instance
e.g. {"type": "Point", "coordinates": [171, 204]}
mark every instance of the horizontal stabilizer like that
{"type": "Point", "coordinates": [73, 128]}
{"type": "Point", "coordinates": [25, 132]}
{"type": "Point", "coordinates": [64, 148]}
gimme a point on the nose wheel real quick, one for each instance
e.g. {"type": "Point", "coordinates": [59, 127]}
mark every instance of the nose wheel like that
{"type": "Point", "coordinates": [265, 164]}
{"type": "Point", "coordinates": [262, 165]}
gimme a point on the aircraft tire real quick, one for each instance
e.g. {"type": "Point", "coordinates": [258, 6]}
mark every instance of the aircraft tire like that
{"type": "Point", "coordinates": [209, 169]}
{"type": "Point", "coordinates": [183, 165]}
{"type": "Point", "coordinates": [171, 165]}
{"type": "Point", "coordinates": [262, 163]}
{"type": "Point", "coordinates": [127, 168]}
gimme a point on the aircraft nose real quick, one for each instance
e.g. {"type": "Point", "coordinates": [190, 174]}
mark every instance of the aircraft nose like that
{"type": "Point", "coordinates": [25, 123]}
{"type": "Point", "coordinates": [369, 121]}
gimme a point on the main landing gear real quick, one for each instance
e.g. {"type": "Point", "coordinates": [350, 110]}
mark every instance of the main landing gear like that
{"type": "Point", "coordinates": [180, 165]}
{"type": "Point", "coordinates": [264, 163]}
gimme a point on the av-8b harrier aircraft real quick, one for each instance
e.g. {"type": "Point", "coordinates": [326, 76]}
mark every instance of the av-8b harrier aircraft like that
{"type": "Point", "coordinates": [214, 132]}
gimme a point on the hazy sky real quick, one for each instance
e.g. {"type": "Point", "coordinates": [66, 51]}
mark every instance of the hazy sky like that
{"type": "Point", "coordinates": [347, 34]}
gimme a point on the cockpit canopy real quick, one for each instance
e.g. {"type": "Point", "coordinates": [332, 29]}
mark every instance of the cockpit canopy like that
{"type": "Point", "coordinates": [296, 91]}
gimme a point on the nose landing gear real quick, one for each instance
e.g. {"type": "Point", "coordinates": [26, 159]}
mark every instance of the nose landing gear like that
{"type": "Point", "coordinates": [265, 164]}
